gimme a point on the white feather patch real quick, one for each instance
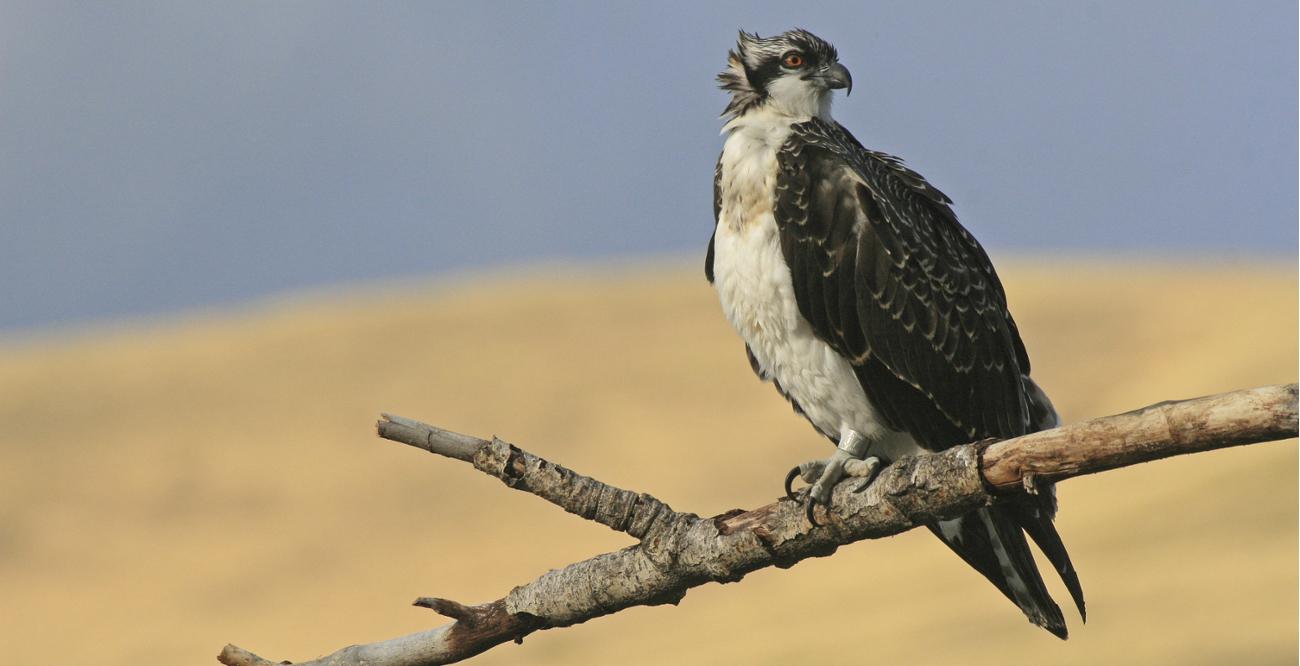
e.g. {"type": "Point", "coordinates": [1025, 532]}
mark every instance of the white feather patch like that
{"type": "Point", "coordinates": [757, 293]}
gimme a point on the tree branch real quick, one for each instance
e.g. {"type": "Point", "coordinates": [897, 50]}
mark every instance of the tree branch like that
{"type": "Point", "coordinates": [678, 551]}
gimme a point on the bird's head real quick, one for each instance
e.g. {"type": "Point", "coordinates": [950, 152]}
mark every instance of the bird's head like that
{"type": "Point", "coordinates": [794, 73]}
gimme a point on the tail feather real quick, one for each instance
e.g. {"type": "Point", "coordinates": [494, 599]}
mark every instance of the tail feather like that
{"type": "Point", "coordinates": [1034, 514]}
{"type": "Point", "coordinates": [992, 541]}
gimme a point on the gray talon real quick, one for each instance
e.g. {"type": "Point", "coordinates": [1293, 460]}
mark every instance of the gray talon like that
{"type": "Point", "coordinates": [864, 470]}
{"type": "Point", "coordinates": [849, 459]}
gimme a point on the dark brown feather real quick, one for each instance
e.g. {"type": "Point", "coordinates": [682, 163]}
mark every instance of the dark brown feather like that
{"type": "Point", "coordinates": [885, 274]}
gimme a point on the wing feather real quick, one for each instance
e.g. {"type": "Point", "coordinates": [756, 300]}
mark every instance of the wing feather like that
{"type": "Point", "coordinates": [717, 213]}
{"type": "Point", "coordinates": [885, 274]}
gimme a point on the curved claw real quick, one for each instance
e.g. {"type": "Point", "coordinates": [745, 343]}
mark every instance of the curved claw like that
{"type": "Point", "coordinates": [789, 480]}
{"type": "Point", "coordinates": [808, 511]}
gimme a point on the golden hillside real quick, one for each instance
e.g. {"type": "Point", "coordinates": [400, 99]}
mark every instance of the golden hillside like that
{"type": "Point", "coordinates": [171, 487]}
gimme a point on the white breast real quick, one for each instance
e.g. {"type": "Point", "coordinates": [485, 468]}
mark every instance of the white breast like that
{"type": "Point", "coordinates": [754, 285]}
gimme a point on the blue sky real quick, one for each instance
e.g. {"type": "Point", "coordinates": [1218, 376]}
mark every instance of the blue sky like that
{"type": "Point", "coordinates": [162, 156]}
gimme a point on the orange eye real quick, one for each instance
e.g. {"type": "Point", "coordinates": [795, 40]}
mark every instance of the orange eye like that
{"type": "Point", "coordinates": [793, 60]}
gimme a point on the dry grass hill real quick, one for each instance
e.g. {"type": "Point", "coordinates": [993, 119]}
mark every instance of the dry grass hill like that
{"type": "Point", "coordinates": [171, 486]}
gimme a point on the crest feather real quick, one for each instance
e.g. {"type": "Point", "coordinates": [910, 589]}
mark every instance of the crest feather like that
{"type": "Point", "coordinates": [735, 78]}
{"type": "Point", "coordinates": [750, 54]}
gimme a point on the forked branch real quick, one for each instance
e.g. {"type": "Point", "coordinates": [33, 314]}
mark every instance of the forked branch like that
{"type": "Point", "coordinates": [678, 551]}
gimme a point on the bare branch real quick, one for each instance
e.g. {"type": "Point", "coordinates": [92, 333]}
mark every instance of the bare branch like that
{"type": "Point", "coordinates": [678, 551]}
{"type": "Point", "coordinates": [1160, 431]}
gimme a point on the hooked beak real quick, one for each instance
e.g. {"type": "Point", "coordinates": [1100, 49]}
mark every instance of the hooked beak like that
{"type": "Point", "coordinates": [836, 77]}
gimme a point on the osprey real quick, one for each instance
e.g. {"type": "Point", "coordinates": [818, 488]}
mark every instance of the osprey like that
{"type": "Point", "coordinates": [875, 313]}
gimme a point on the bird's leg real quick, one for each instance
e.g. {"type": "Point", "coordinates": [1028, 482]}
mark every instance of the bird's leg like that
{"type": "Point", "coordinates": [850, 458]}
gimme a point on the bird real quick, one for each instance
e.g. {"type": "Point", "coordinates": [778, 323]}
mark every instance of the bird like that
{"type": "Point", "coordinates": [870, 307]}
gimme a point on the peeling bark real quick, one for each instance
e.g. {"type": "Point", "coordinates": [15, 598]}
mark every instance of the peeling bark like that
{"type": "Point", "coordinates": [1160, 431]}
{"type": "Point", "coordinates": [678, 551]}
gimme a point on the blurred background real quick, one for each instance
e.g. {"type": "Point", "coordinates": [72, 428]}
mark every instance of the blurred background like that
{"type": "Point", "coordinates": [231, 234]}
{"type": "Point", "coordinates": [164, 156]}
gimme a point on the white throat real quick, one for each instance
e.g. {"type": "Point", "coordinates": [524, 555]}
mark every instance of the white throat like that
{"type": "Point", "coordinates": [775, 115]}
{"type": "Point", "coordinates": [797, 98]}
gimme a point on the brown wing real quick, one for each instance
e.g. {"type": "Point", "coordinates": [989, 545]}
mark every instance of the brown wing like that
{"type": "Point", "coordinates": [886, 276]}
